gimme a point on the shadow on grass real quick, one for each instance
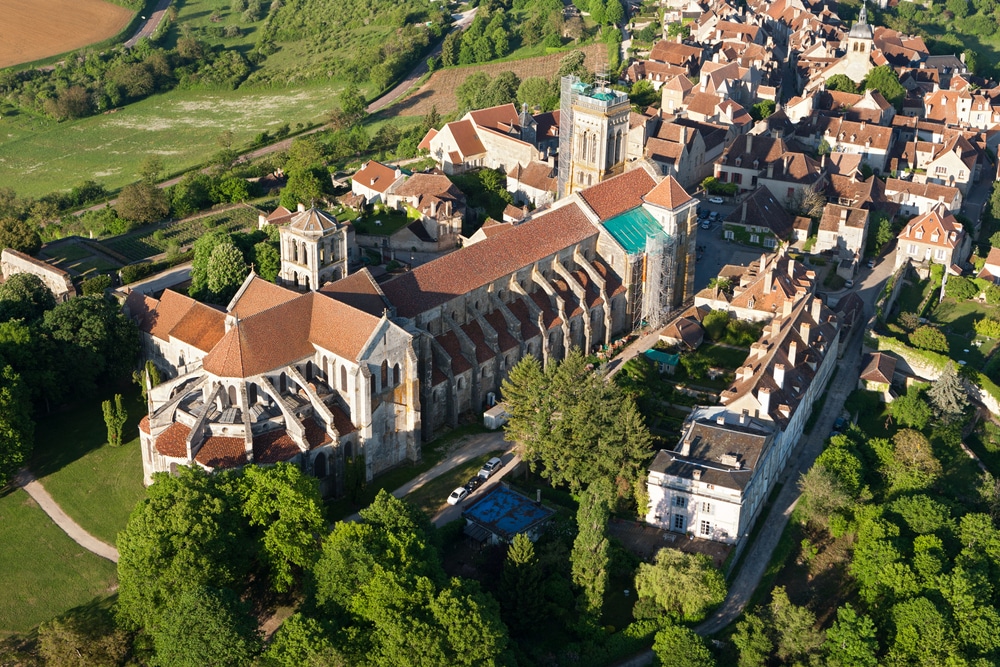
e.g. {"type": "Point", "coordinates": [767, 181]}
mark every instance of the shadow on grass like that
{"type": "Point", "coordinates": [63, 436]}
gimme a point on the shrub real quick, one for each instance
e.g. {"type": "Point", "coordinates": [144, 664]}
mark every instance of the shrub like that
{"type": "Point", "coordinates": [134, 272]}
{"type": "Point", "coordinates": [715, 324]}
{"type": "Point", "coordinates": [909, 321]}
{"type": "Point", "coordinates": [961, 288]}
{"type": "Point", "coordinates": [989, 327]}
{"type": "Point", "coordinates": [96, 285]}
{"type": "Point", "coordinates": [993, 295]}
{"type": "Point", "coordinates": [929, 338]}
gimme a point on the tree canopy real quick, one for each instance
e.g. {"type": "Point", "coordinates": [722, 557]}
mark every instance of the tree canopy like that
{"type": "Point", "coordinates": [684, 586]}
{"type": "Point", "coordinates": [575, 426]}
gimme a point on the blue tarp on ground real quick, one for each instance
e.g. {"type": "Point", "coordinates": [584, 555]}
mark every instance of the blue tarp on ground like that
{"type": "Point", "coordinates": [505, 512]}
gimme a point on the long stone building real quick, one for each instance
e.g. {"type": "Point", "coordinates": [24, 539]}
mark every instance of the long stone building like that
{"type": "Point", "coordinates": [361, 368]}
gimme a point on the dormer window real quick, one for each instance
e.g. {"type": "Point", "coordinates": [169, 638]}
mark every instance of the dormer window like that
{"type": "Point", "coordinates": [739, 160]}
{"type": "Point", "coordinates": [935, 236]}
{"type": "Point", "coordinates": [920, 233]}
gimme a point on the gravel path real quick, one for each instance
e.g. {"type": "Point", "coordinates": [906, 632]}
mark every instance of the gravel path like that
{"type": "Point", "coordinates": [27, 481]}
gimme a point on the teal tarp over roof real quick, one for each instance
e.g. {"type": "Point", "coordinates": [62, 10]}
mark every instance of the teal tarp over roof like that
{"type": "Point", "coordinates": [632, 227]}
{"type": "Point", "coordinates": [663, 357]}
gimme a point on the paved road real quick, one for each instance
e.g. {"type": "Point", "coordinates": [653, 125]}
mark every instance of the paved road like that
{"type": "Point", "coordinates": [476, 445]}
{"type": "Point", "coordinates": [148, 27]}
{"type": "Point", "coordinates": [973, 205]}
{"type": "Point", "coordinates": [462, 21]}
{"type": "Point", "coordinates": [34, 488]}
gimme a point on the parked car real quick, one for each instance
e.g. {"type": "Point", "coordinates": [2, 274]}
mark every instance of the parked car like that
{"type": "Point", "coordinates": [839, 425]}
{"type": "Point", "coordinates": [490, 467]}
{"type": "Point", "coordinates": [848, 284]}
{"type": "Point", "coordinates": [716, 199]}
{"type": "Point", "coordinates": [474, 483]}
{"type": "Point", "coordinates": [457, 496]}
{"type": "Point", "coordinates": [705, 224]}
{"type": "Point", "coordinates": [871, 263]}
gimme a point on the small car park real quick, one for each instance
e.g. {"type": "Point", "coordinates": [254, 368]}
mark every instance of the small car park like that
{"type": "Point", "coordinates": [458, 495]}
{"type": "Point", "coordinates": [705, 224]}
{"type": "Point", "coordinates": [474, 483]}
{"type": "Point", "coordinates": [490, 467]}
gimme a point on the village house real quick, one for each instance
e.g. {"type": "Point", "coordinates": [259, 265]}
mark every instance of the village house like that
{"type": "Point", "coordinates": [714, 483]}
{"type": "Point", "coordinates": [919, 198]}
{"type": "Point", "coordinates": [770, 285]}
{"type": "Point", "coordinates": [935, 237]}
{"type": "Point", "coordinates": [759, 220]}
{"type": "Point", "coordinates": [991, 268]}
{"type": "Point", "coordinates": [534, 183]}
{"type": "Point", "coordinates": [842, 229]}
{"type": "Point", "coordinates": [436, 206]}
{"type": "Point", "coordinates": [879, 369]}
{"type": "Point", "coordinates": [372, 182]}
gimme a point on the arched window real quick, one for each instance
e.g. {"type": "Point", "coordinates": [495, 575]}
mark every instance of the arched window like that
{"type": "Point", "coordinates": [461, 383]}
{"type": "Point", "coordinates": [384, 375]}
{"type": "Point", "coordinates": [343, 378]}
{"type": "Point", "coordinates": [319, 465]}
{"type": "Point", "coordinates": [395, 375]}
{"type": "Point", "coordinates": [232, 396]}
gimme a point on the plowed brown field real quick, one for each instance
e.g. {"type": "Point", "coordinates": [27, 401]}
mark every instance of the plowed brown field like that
{"type": "Point", "coordinates": [439, 90]}
{"type": "Point", "coordinates": [33, 29]}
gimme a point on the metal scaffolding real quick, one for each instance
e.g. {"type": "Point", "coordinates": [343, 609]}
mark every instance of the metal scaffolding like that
{"type": "Point", "coordinates": [658, 280]}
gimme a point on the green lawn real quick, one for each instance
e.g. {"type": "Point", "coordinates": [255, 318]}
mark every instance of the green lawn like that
{"type": "Point", "coordinates": [724, 356]}
{"type": "Point", "coordinates": [45, 572]}
{"type": "Point", "coordinates": [95, 484]}
{"type": "Point", "coordinates": [957, 319]}
{"type": "Point", "coordinates": [391, 222]}
{"type": "Point", "coordinates": [433, 495]}
{"type": "Point", "coordinates": [912, 295]}
{"type": "Point", "coordinates": [38, 156]}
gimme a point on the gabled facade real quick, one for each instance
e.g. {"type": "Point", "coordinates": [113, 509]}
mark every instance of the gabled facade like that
{"type": "Point", "coordinates": [935, 237]}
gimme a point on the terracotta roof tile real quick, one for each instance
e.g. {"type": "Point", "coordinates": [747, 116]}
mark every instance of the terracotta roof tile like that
{"type": "Point", "coordinates": [171, 307]}
{"type": "Point", "coordinates": [449, 341]}
{"type": "Point", "coordinates": [219, 452]}
{"type": "Point", "coordinates": [273, 446]}
{"type": "Point", "coordinates": [668, 193]}
{"type": "Point", "coordinates": [341, 421]}
{"type": "Point", "coordinates": [316, 434]}
{"type": "Point", "coordinates": [375, 176]}
{"type": "Point", "coordinates": [880, 367]}
{"type": "Point", "coordinates": [425, 143]}
{"type": "Point", "coordinates": [550, 316]}
{"type": "Point", "coordinates": [201, 327]}
{"type": "Point", "coordinates": [464, 270]}
{"type": "Point", "coordinates": [478, 338]}
{"type": "Point", "coordinates": [466, 139]}
{"type": "Point", "coordinates": [258, 296]}
{"type": "Point", "coordinates": [495, 117]}
{"type": "Point", "coordinates": [505, 341]}
{"type": "Point", "coordinates": [358, 290]}
{"type": "Point", "coordinates": [144, 424]}
{"type": "Point", "coordinates": [618, 194]}
{"type": "Point", "coordinates": [173, 441]}
{"type": "Point", "coordinates": [529, 328]}
{"type": "Point", "coordinates": [313, 220]}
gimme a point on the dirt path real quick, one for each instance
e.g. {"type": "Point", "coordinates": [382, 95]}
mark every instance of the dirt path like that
{"type": "Point", "coordinates": [27, 481]}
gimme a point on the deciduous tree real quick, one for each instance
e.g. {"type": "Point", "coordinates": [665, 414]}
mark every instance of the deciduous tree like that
{"type": "Point", "coordinates": [205, 626]}
{"type": "Point", "coordinates": [226, 271]}
{"type": "Point", "coordinates": [684, 586]}
{"type": "Point", "coordinates": [677, 646]}
{"type": "Point", "coordinates": [23, 296]}
{"type": "Point", "coordinates": [851, 640]}
{"type": "Point", "coordinates": [16, 428]}
{"type": "Point", "coordinates": [19, 235]}
{"type": "Point", "coordinates": [142, 203]}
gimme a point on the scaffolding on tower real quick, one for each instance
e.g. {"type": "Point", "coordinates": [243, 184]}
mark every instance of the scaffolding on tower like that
{"type": "Point", "coordinates": [658, 279]}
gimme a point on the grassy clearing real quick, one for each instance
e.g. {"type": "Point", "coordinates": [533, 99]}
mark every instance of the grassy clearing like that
{"type": "Point", "coordinates": [95, 484]}
{"type": "Point", "coordinates": [724, 356]}
{"type": "Point", "coordinates": [45, 572]}
{"type": "Point", "coordinates": [38, 156]}
{"type": "Point", "coordinates": [432, 496]}
{"type": "Point", "coordinates": [385, 223]}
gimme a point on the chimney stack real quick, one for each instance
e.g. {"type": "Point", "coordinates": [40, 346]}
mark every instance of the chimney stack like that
{"type": "Point", "coordinates": [764, 398]}
{"type": "Point", "coordinates": [816, 308]}
{"type": "Point", "coordinates": [696, 474]}
{"type": "Point", "coordinates": [805, 329]}
{"type": "Point", "coordinates": [301, 207]}
{"type": "Point", "coordinates": [744, 417]}
{"type": "Point", "coordinates": [743, 214]}
{"type": "Point", "coordinates": [791, 268]}
{"type": "Point", "coordinates": [779, 375]}
{"type": "Point", "coordinates": [720, 419]}
{"type": "Point", "coordinates": [793, 349]}
{"type": "Point", "coordinates": [749, 143]}
{"type": "Point", "coordinates": [786, 307]}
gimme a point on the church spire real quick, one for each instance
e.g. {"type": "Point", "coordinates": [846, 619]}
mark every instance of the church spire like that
{"type": "Point", "coordinates": [863, 16]}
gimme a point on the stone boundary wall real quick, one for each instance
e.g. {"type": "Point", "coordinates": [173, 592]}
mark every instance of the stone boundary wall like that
{"type": "Point", "coordinates": [13, 262]}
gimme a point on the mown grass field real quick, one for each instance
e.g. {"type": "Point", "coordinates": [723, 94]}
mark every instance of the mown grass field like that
{"type": "Point", "coordinates": [39, 156]}
{"type": "Point", "coordinates": [45, 573]}
{"type": "Point", "coordinates": [96, 484]}
{"type": "Point", "coordinates": [42, 28]}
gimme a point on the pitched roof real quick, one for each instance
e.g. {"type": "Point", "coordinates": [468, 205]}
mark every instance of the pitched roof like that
{"type": "Point", "coordinates": [201, 327]}
{"type": "Point", "coordinates": [273, 446]}
{"type": "Point", "coordinates": [220, 452]}
{"type": "Point", "coordinates": [287, 332]}
{"type": "Point", "coordinates": [495, 118]}
{"type": "Point", "coordinates": [464, 270]}
{"type": "Point", "coordinates": [466, 139]}
{"type": "Point", "coordinates": [618, 194]}
{"type": "Point", "coordinates": [668, 194]}
{"type": "Point", "coordinates": [358, 290]}
{"type": "Point", "coordinates": [173, 441]}
{"type": "Point", "coordinates": [257, 295]}
{"type": "Point", "coordinates": [879, 367]}
{"type": "Point", "coordinates": [933, 228]}
{"type": "Point", "coordinates": [376, 176]}
{"type": "Point", "coordinates": [313, 220]}
{"type": "Point", "coordinates": [761, 209]}
{"type": "Point", "coordinates": [425, 143]}
{"type": "Point", "coordinates": [835, 216]}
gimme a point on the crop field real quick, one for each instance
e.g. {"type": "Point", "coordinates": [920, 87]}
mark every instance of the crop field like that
{"type": "Point", "coordinates": [42, 28]}
{"type": "Point", "coordinates": [149, 242]}
{"type": "Point", "coordinates": [439, 90]}
{"type": "Point", "coordinates": [38, 156]}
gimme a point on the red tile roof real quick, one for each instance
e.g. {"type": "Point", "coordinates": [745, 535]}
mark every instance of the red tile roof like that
{"type": "Point", "coordinates": [668, 193]}
{"type": "Point", "coordinates": [495, 118]}
{"type": "Point", "coordinates": [172, 442]}
{"type": "Point", "coordinates": [880, 368]}
{"type": "Point", "coordinates": [316, 435]}
{"type": "Point", "coordinates": [358, 290]}
{"type": "Point", "coordinates": [618, 194]}
{"type": "Point", "coordinates": [201, 327]}
{"type": "Point", "coordinates": [425, 143]}
{"type": "Point", "coordinates": [219, 452]}
{"type": "Point", "coordinates": [258, 296]}
{"type": "Point", "coordinates": [375, 176]}
{"type": "Point", "coordinates": [466, 138]}
{"type": "Point", "coordinates": [466, 269]}
{"type": "Point", "coordinates": [144, 424]}
{"type": "Point", "coordinates": [273, 446]}
{"type": "Point", "coordinates": [449, 341]}
{"type": "Point", "coordinates": [341, 421]}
